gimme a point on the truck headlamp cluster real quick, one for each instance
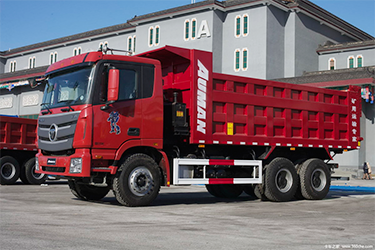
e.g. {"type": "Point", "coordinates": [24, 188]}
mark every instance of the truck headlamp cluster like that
{"type": "Point", "coordinates": [75, 165]}
{"type": "Point", "coordinates": [36, 164]}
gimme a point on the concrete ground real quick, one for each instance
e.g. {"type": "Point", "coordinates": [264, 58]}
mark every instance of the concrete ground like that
{"type": "Point", "coordinates": [187, 217]}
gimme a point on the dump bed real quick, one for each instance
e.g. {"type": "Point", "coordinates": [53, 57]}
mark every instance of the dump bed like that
{"type": "Point", "coordinates": [17, 133]}
{"type": "Point", "coordinates": [228, 109]}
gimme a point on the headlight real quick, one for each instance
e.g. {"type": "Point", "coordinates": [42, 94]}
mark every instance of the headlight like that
{"type": "Point", "coordinates": [75, 165]}
{"type": "Point", "coordinates": [36, 164]}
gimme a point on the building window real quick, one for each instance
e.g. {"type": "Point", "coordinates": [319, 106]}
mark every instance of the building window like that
{"type": "Point", "coordinates": [12, 66]}
{"type": "Point", "coordinates": [237, 60]}
{"type": "Point", "coordinates": [193, 28]}
{"type": "Point", "coordinates": [53, 58]}
{"type": "Point", "coordinates": [351, 62]}
{"type": "Point", "coordinates": [32, 62]}
{"type": "Point", "coordinates": [359, 61]}
{"type": "Point", "coordinates": [77, 51]}
{"type": "Point", "coordinates": [187, 32]}
{"type": "Point", "coordinates": [245, 24]}
{"type": "Point", "coordinates": [134, 43]}
{"type": "Point", "coordinates": [241, 26]}
{"type": "Point", "coordinates": [103, 45]}
{"type": "Point", "coordinates": [332, 63]}
{"type": "Point", "coordinates": [154, 36]}
{"type": "Point", "coordinates": [244, 59]}
{"type": "Point", "coordinates": [157, 31]}
{"type": "Point", "coordinates": [151, 36]}
{"type": "Point", "coordinates": [238, 26]}
{"type": "Point", "coordinates": [131, 44]}
{"type": "Point", "coordinates": [190, 29]}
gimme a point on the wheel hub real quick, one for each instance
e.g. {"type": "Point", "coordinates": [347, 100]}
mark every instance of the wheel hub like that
{"type": "Point", "coordinates": [8, 171]}
{"type": "Point", "coordinates": [318, 180]}
{"type": "Point", "coordinates": [140, 181]}
{"type": "Point", "coordinates": [284, 180]}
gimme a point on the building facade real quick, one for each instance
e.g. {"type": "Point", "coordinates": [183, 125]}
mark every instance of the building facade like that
{"type": "Point", "coordinates": [267, 39]}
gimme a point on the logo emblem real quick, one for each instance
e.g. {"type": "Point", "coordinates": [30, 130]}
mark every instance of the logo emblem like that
{"type": "Point", "coordinates": [52, 132]}
{"type": "Point", "coordinates": [113, 118]}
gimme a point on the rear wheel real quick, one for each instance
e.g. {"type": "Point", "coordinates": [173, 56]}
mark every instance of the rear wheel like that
{"type": "Point", "coordinates": [9, 170]}
{"type": "Point", "coordinates": [137, 182]}
{"type": "Point", "coordinates": [315, 179]}
{"type": "Point", "coordinates": [281, 180]}
{"type": "Point", "coordinates": [31, 176]}
{"type": "Point", "coordinates": [230, 191]}
{"type": "Point", "coordinates": [87, 192]}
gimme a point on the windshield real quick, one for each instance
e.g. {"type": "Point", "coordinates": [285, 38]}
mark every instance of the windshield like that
{"type": "Point", "coordinates": [68, 88]}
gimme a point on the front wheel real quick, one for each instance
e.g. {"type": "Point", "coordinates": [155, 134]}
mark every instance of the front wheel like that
{"type": "Point", "coordinates": [9, 170]}
{"type": "Point", "coordinates": [87, 192]}
{"type": "Point", "coordinates": [31, 176]}
{"type": "Point", "coordinates": [315, 179]}
{"type": "Point", "coordinates": [137, 182]}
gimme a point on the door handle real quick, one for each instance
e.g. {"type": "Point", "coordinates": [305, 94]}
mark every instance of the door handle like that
{"type": "Point", "coordinates": [133, 131]}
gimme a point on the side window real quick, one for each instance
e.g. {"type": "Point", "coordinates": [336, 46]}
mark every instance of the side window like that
{"type": "Point", "coordinates": [128, 84]}
{"type": "Point", "coordinates": [136, 81]}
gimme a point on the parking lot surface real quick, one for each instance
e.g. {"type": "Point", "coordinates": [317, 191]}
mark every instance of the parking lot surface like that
{"type": "Point", "coordinates": [185, 217]}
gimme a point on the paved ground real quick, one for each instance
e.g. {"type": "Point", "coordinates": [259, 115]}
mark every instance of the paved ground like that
{"type": "Point", "coordinates": [49, 217]}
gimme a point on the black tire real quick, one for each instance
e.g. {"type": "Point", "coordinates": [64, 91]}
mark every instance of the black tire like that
{"type": "Point", "coordinates": [281, 180]}
{"type": "Point", "coordinates": [87, 192]}
{"type": "Point", "coordinates": [31, 176]}
{"type": "Point", "coordinates": [249, 189]}
{"type": "Point", "coordinates": [315, 179]}
{"type": "Point", "coordinates": [9, 170]}
{"type": "Point", "coordinates": [23, 175]}
{"type": "Point", "coordinates": [214, 190]}
{"type": "Point", "coordinates": [298, 195]}
{"type": "Point", "coordinates": [230, 191]}
{"type": "Point", "coordinates": [137, 182]}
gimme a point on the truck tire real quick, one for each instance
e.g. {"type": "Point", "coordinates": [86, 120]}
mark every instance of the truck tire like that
{"type": "Point", "coordinates": [298, 195]}
{"type": "Point", "coordinates": [137, 182]}
{"type": "Point", "coordinates": [9, 170]}
{"type": "Point", "coordinates": [87, 192]}
{"type": "Point", "coordinates": [31, 176]}
{"type": "Point", "coordinates": [230, 191]}
{"type": "Point", "coordinates": [249, 189]}
{"type": "Point", "coordinates": [315, 179]}
{"type": "Point", "coordinates": [281, 180]}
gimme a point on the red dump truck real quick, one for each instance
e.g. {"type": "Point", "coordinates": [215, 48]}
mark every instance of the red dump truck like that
{"type": "Point", "coordinates": [18, 149]}
{"type": "Point", "coordinates": [135, 123]}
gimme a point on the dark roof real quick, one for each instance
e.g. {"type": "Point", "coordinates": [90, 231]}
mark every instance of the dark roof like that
{"type": "Point", "coordinates": [71, 38]}
{"type": "Point", "coordinates": [22, 74]}
{"type": "Point", "coordinates": [173, 10]}
{"type": "Point", "coordinates": [343, 46]}
{"type": "Point", "coordinates": [292, 4]}
{"type": "Point", "coordinates": [332, 75]}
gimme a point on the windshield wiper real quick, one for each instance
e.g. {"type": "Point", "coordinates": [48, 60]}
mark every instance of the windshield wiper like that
{"type": "Point", "coordinates": [69, 107]}
{"type": "Point", "coordinates": [48, 110]}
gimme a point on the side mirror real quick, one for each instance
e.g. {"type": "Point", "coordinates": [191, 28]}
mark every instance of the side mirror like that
{"type": "Point", "coordinates": [113, 85]}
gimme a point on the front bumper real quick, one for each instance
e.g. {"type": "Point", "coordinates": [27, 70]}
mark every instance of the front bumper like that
{"type": "Point", "coordinates": [60, 165]}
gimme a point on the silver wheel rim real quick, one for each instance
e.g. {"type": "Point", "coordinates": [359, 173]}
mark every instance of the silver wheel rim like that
{"type": "Point", "coordinates": [284, 180]}
{"type": "Point", "coordinates": [318, 180]}
{"type": "Point", "coordinates": [36, 175]}
{"type": "Point", "coordinates": [8, 170]}
{"type": "Point", "coordinates": [140, 181]}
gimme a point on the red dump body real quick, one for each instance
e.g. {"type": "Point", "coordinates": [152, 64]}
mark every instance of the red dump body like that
{"type": "Point", "coordinates": [227, 109]}
{"type": "Point", "coordinates": [18, 133]}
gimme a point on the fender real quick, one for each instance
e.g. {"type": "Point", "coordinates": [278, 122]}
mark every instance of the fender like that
{"type": "Point", "coordinates": [125, 146]}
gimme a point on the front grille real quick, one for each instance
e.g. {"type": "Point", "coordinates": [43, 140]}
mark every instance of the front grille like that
{"type": "Point", "coordinates": [58, 153]}
{"type": "Point", "coordinates": [54, 169]}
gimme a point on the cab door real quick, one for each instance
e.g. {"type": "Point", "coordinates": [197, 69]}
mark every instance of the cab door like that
{"type": "Point", "coordinates": [121, 121]}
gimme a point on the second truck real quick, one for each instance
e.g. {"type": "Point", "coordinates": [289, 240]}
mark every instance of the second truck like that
{"type": "Point", "coordinates": [132, 124]}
